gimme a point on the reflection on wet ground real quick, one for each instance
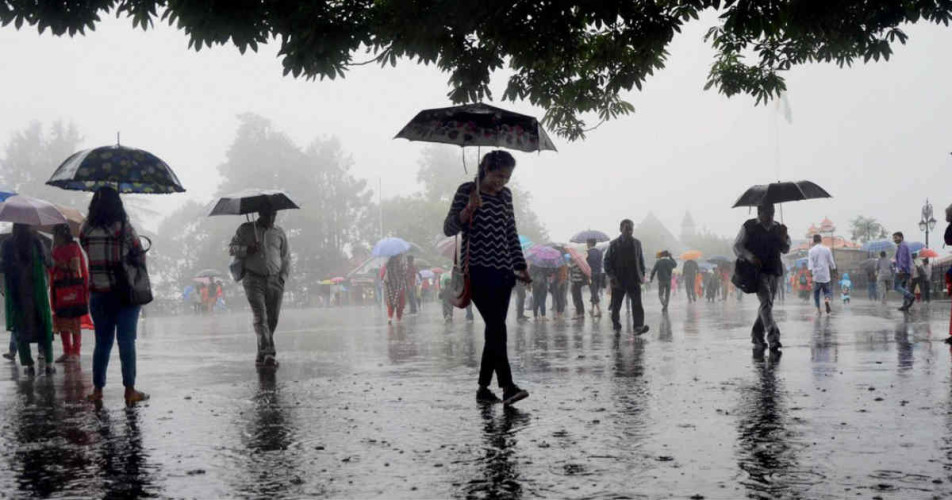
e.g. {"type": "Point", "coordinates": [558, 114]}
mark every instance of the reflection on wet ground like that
{"type": "Point", "coordinates": [859, 405]}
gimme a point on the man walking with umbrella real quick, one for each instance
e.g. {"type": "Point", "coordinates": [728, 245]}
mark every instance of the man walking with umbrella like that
{"type": "Point", "coordinates": [663, 268]}
{"type": "Point", "coordinates": [263, 251]}
{"type": "Point", "coordinates": [689, 275]}
{"type": "Point", "coordinates": [625, 268]}
{"type": "Point", "coordinates": [760, 242]}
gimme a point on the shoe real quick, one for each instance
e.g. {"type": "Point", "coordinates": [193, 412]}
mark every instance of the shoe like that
{"type": "Point", "coordinates": [50, 369]}
{"type": "Point", "coordinates": [62, 359]}
{"type": "Point", "coordinates": [776, 346]}
{"type": "Point", "coordinates": [484, 395]}
{"type": "Point", "coordinates": [9, 356]}
{"type": "Point", "coordinates": [513, 394]}
{"type": "Point", "coordinates": [641, 330]}
{"type": "Point", "coordinates": [135, 397]}
{"type": "Point", "coordinates": [828, 308]}
{"type": "Point", "coordinates": [616, 327]}
{"type": "Point", "coordinates": [29, 371]}
{"type": "Point", "coordinates": [269, 361]}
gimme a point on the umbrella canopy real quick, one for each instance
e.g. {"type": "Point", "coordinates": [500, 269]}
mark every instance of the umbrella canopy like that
{"type": "Point", "coordinates": [251, 201]}
{"type": "Point", "coordinates": [543, 256]}
{"type": "Point", "coordinates": [590, 234]}
{"type": "Point", "coordinates": [5, 193]}
{"type": "Point", "coordinates": [447, 247]}
{"type": "Point", "coordinates": [580, 261]}
{"type": "Point", "coordinates": [915, 246]}
{"type": "Point", "coordinates": [691, 255]}
{"type": "Point", "coordinates": [388, 247]}
{"type": "Point", "coordinates": [74, 218]}
{"type": "Point", "coordinates": [22, 209]}
{"type": "Point", "coordinates": [928, 253]}
{"type": "Point", "coordinates": [780, 192]}
{"type": "Point", "coordinates": [719, 260]}
{"type": "Point", "coordinates": [128, 170]}
{"type": "Point", "coordinates": [525, 242]}
{"type": "Point", "coordinates": [427, 274]}
{"type": "Point", "coordinates": [879, 246]}
{"type": "Point", "coordinates": [438, 270]}
{"type": "Point", "coordinates": [477, 125]}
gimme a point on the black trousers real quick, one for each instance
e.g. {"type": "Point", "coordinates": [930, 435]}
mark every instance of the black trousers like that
{"type": "Point", "coordinates": [520, 300]}
{"type": "Point", "coordinates": [632, 290]}
{"type": "Point", "coordinates": [689, 287]}
{"type": "Point", "coordinates": [664, 292]}
{"type": "Point", "coordinates": [491, 290]}
{"type": "Point", "coordinates": [577, 298]}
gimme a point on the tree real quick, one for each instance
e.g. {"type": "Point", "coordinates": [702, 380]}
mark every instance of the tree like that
{"type": "Point", "coordinates": [32, 155]}
{"type": "Point", "coordinates": [571, 58]}
{"type": "Point", "coordinates": [864, 229]}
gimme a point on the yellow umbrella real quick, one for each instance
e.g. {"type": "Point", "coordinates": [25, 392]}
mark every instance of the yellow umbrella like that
{"type": "Point", "coordinates": [691, 255]}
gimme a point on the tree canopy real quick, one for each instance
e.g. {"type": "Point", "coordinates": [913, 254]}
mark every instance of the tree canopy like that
{"type": "Point", "coordinates": [571, 58]}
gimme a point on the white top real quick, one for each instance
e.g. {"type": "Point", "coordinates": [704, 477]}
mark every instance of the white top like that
{"type": "Point", "coordinates": [821, 262]}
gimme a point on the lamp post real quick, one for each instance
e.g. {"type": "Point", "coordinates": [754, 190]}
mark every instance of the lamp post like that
{"type": "Point", "coordinates": [927, 221]}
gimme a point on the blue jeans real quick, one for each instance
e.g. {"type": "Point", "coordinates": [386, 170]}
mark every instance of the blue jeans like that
{"type": "Point", "coordinates": [900, 286]}
{"type": "Point", "coordinates": [826, 288]}
{"type": "Point", "coordinates": [113, 321]}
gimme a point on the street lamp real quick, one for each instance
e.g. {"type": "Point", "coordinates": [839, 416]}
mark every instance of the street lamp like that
{"type": "Point", "coordinates": [927, 221]}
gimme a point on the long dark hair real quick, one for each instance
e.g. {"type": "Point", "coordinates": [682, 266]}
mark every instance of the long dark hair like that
{"type": "Point", "coordinates": [23, 241]}
{"type": "Point", "coordinates": [495, 160]}
{"type": "Point", "coordinates": [106, 208]}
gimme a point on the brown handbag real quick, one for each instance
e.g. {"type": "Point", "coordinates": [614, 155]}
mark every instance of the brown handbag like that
{"type": "Point", "coordinates": [460, 293]}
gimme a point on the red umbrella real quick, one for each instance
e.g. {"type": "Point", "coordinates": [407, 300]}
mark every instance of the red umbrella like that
{"type": "Point", "coordinates": [928, 253]}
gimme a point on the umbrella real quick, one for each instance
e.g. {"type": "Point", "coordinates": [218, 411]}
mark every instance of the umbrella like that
{"type": "Point", "coordinates": [692, 255]}
{"type": "Point", "coordinates": [780, 192]}
{"type": "Point", "coordinates": [879, 246]}
{"type": "Point", "coordinates": [74, 218]}
{"type": "Point", "coordinates": [427, 274]}
{"type": "Point", "coordinates": [22, 209]}
{"type": "Point", "coordinates": [525, 242]}
{"type": "Point", "coordinates": [209, 273]}
{"type": "Point", "coordinates": [477, 125]}
{"type": "Point", "coordinates": [719, 260]}
{"type": "Point", "coordinates": [589, 234]}
{"type": "Point", "coordinates": [580, 261]}
{"type": "Point", "coordinates": [802, 262]}
{"type": "Point", "coordinates": [128, 170]}
{"type": "Point", "coordinates": [5, 193]}
{"type": "Point", "coordinates": [447, 247]}
{"type": "Point", "coordinates": [337, 280]}
{"type": "Point", "coordinates": [252, 201]}
{"type": "Point", "coordinates": [437, 270]}
{"type": "Point", "coordinates": [915, 246]}
{"type": "Point", "coordinates": [928, 253]}
{"type": "Point", "coordinates": [543, 256]}
{"type": "Point", "coordinates": [388, 247]}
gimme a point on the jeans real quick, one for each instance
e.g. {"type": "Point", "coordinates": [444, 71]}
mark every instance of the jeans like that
{"type": "Point", "coordinates": [900, 286]}
{"type": "Point", "coordinates": [539, 292]}
{"type": "Point", "coordinates": [491, 289]}
{"type": "Point", "coordinates": [633, 291]}
{"type": "Point", "coordinates": [520, 300]}
{"type": "Point", "coordinates": [689, 287]}
{"type": "Point", "coordinates": [577, 298]}
{"type": "Point", "coordinates": [765, 324]}
{"type": "Point", "coordinates": [884, 290]}
{"type": "Point", "coordinates": [264, 295]}
{"type": "Point", "coordinates": [664, 292]}
{"type": "Point", "coordinates": [871, 291]}
{"type": "Point", "coordinates": [113, 321]}
{"type": "Point", "coordinates": [596, 287]}
{"type": "Point", "coordinates": [826, 288]}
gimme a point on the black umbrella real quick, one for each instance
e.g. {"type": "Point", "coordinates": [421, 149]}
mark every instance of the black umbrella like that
{"type": "Point", "coordinates": [127, 170]}
{"type": "Point", "coordinates": [477, 125]}
{"type": "Point", "coordinates": [780, 192]}
{"type": "Point", "coordinates": [252, 201]}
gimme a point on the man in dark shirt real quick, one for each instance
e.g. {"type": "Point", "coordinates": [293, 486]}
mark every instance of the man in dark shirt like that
{"type": "Point", "coordinates": [663, 268]}
{"type": "Point", "coordinates": [625, 268]}
{"type": "Point", "coordinates": [761, 241]}
{"type": "Point", "coordinates": [688, 275]}
{"type": "Point", "coordinates": [594, 259]}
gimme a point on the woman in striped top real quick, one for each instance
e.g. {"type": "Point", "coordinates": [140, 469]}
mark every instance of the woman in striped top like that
{"type": "Point", "coordinates": [485, 217]}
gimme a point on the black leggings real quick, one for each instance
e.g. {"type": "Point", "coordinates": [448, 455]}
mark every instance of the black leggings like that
{"type": "Point", "coordinates": [491, 289]}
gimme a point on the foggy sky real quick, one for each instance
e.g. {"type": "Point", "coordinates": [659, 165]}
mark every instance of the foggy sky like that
{"type": "Point", "coordinates": [875, 136]}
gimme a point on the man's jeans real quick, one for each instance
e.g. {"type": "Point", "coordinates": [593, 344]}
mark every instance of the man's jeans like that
{"type": "Point", "coordinates": [765, 324]}
{"type": "Point", "coordinates": [113, 322]}
{"type": "Point", "coordinates": [664, 292]}
{"type": "Point", "coordinates": [264, 296]}
{"type": "Point", "coordinates": [826, 288]}
{"type": "Point", "coordinates": [900, 286]}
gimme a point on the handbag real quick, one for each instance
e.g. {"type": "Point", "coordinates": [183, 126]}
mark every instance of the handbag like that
{"type": "Point", "coordinates": [70, 295]}
{"type": "Point", "coordinates": [132, 277]}
{"type": "Point", "coordinates": [460, 293]}
{"type": "Point", "coordinates": [237, 268]}
{"type": "Point", "coordinates": [745, 276]}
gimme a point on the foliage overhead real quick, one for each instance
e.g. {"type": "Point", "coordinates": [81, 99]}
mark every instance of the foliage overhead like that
{"type": "Point", "coordinates": [571, 58]}
{"type": "Point", "coordinates": [865, 229]}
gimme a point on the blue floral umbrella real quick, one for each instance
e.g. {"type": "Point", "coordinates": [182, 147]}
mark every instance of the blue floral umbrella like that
{"type": "Point", "coordinates": [128, 170]}
{"type": "Point", "coordinates": [388, 247]}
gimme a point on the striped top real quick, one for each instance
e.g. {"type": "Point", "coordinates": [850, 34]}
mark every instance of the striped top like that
{"type": "Point", "coordinates": [494, 240]}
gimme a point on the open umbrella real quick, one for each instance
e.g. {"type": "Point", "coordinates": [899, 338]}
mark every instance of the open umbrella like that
{"type": "Point", "coordinates": [426, 274]}
{"type": "Point", "coordinates": [915, 246]}
{"type": "Point", "coordinates": [6, 193]}
{"type": "Point", "coordinates": [447, 247]}
{"type": "Point", "coordinates": [477, 125]}
{"type": "Point", "coordinates": [22, 209]}
{"type": "Point", "coordinates": [438, 270]}
{"type": "Point", "coordinates": [928, 253]}
{"type": "Point", "coordinates": [879, 246]}
{"type": "Point", "coordinates": [128, 170]}
{"type": "Point", "coordinates": [74, 218]}
{"type": "Point", "coordinates": [691, 255]}
{"type": "Point", "coordinates": [780, 192]}
{"type": "Point", "coordinates": [589, 234]}
{"type": "Point", "coordinates": [251, 201]}
{"type": "Point", "coordinates": [543, 256]}
{"type": "Point", "coordinates": [388, 247]}
{"type": "Point", "coordinates": [525, 242]}
{"type": "Point", "coordinates": [580, 261]}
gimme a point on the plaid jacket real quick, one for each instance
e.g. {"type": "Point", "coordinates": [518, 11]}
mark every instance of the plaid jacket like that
{"type": "Point", "coordinates": [103, 246]}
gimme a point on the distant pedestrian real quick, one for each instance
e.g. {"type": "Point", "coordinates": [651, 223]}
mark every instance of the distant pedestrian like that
{"type": "Point", "coordinates": [761, 241]}
{"type": "Point", "coordinates": [904, 270]}
{"type": "Point", "coordinates": [594, 259]}
{"type": "Point", "coordinates": [26, 262]}
{"type": "Point", "coordinates": [663, 268]}
{"type": "Point", "coordinates": [578, 280]}
{"type": "Point", "coordinates": [483, 212]}
{"type": "Point", "coordinates": [412, 275]}
{"type": "Point", "coordinates": [689, 276]}
{"type": "Point", "coordinates": [558, 287]}
{"type": "Point", "coordinates": [822, 266]}
{"type": "Point", "coordinates": [540, 290]}
{"type": "Point", "coordinates": [109, 239]}
{"type": "Point", "coordinates": [264, 251]}
{"type": "Point", "coordinates": [884, 275]}
{"type": "Point", "coordinates": [395, 286]}
{"type": "Point", "coordinates": [69, 292]}
{"type": "Point", "coordinates": [625, 268]}
{"type": "Point", "coordinates": [846, 288]}
{"type": "Point", "coordinates": [521, 289]}
{"type": "Point", "coordinates": [872, 290]}
{"type": "Point", "coordinates": [926, 283]}
{"type": "Point", "coordinates": [446, 296]}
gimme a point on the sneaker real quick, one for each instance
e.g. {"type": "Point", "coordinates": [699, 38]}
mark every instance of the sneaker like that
{"type": "Point", "coordinates": [828, 308]}
{"type": "Point", "coordinates": [135, 397]}
{"type": "Point", "coordinates": [484, 395]}
{"type": "Point", "coordinates": [9, 356]}
{"type": "Point", "coordinates": [62, 359]}
{"type": "Point", "coordinates": [641, 330]}
{"type": "Point", "coordinates": [29, 371]}
{"type": "Point", "coordinates": [513, 394]}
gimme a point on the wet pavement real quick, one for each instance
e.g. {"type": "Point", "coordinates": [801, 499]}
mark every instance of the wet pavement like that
{"type": "Point", "coordinates": [859, 405]}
